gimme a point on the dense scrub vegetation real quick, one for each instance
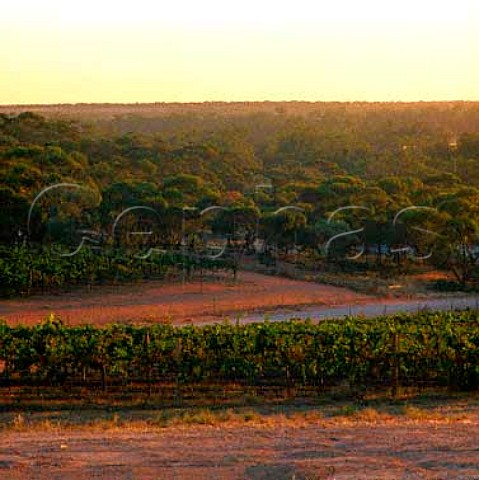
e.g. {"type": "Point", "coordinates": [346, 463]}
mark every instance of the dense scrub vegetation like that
{"type": "Point", "coordinates": [440, 349]}
{"type": "Point", "coordinates": [250, 159]}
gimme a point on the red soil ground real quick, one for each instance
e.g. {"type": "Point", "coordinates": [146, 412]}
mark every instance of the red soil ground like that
{"type": "Point", "coordinates": [283, 451]}
{"type": "Point", "coordinates": [180, 303]}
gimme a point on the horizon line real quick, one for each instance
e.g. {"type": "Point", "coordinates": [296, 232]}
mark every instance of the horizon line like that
{"type": "Point", "coordinates": [230, 102]}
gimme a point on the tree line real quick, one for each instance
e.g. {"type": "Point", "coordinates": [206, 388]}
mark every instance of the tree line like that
{"type": "Point", "coordinates": [384, 158]}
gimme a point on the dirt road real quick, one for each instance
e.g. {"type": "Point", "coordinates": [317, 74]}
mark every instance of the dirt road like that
{"type": "Point", "coordinates": [180, 303]}
{"type": "Point", "coordinates": [311, 451]}
{"type": "Point", "coordinates": [370, 309]}
{"type": "Point", "coordinates": [249, 299]}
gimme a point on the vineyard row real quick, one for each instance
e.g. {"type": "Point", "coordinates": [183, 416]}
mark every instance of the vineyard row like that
{"type": "Point", "coordinates": [390, 351]}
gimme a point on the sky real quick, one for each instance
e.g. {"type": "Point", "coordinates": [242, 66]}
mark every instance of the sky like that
{"type": "Point", "coordinates": [61, 51]}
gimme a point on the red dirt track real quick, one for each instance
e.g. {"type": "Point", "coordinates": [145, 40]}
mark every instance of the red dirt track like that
{"type": "Point", "coordinates": [156, 301]}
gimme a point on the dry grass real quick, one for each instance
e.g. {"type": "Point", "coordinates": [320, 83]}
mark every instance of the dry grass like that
{"type": "Point", "coordinates": [50, 410]}
{"type": "Point", "coordinates": [403, 286]}
{"type": "Point", "coordinates": [439, 415]}
{"type": "Point", "coordinates": [21, 423]}
{"type": "Point", "coordinates": [462, 410]}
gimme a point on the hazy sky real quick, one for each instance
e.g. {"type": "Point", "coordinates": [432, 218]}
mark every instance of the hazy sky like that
{"type": "Point", "coordinates": [67, 51]}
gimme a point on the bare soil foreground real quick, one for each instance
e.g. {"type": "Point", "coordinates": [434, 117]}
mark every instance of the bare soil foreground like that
{"type": "Point", "coordinates": [281, 450]}
{"type": "Point", "coordinates": [180, 303]}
